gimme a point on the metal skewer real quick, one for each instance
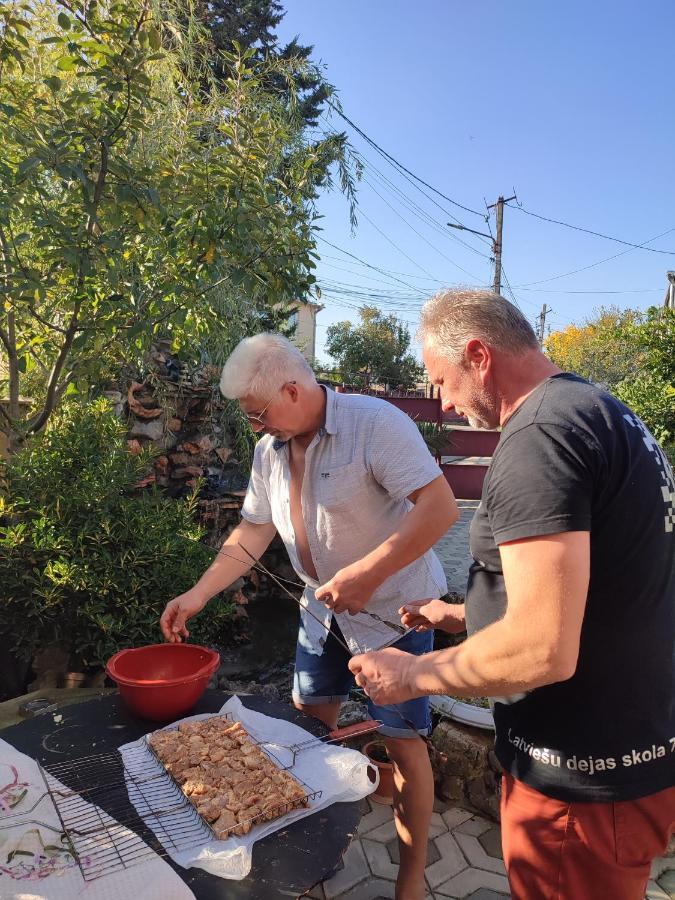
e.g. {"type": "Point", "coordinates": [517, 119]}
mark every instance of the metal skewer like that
{"type": "Point", "coordinates": [259, 567]}
{"type": "Point", "coordinates": [393, 706]}
{"type": "Point", "coordinates": [364, 612]}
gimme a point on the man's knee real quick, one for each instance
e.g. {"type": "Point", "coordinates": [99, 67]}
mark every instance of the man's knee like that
{"type": "Point", "coordinates": [327, 712]}
{"type": "Point", "coordinates": [407, 751]}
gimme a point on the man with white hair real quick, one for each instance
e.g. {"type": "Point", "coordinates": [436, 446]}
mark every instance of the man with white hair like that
{"type": "Point", "coordinates": [570, 609]}
{"type": "Point", "coordinates": [352, 490]}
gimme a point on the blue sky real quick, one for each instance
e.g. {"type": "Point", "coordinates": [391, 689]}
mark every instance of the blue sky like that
{"type": "Point", "coordinates": [570, 104]}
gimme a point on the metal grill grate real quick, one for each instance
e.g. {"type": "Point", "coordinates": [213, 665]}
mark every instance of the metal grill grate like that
{"type": "Point", "coordinates": [117, 810]}
{"type": "Point", "coordinates": [102, 827]}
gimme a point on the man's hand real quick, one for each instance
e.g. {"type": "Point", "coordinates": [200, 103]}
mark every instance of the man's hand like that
{"type": "Point", "coordinates": [175, 616]}
{"type": "Point", "coordinates": [349, 590]}
{"type": "Point", "coordinates": [427, 614]}
{"type": "Point", "coordinates": [385, 675]}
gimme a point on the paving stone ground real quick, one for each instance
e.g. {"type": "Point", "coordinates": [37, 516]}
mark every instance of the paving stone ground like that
{"type": "Point", "coordinates": [453, 548]}
{"type": "Point", "coordinates": [464, 860]}
{"type": "Point", "coordinates": [464, 857]}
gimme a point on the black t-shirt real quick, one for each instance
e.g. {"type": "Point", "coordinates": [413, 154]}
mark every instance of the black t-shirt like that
{"type": "Point", "coordinates": [573, 458]}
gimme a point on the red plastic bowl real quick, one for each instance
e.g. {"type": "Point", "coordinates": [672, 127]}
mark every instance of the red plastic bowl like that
{"type": "Point", "coordinates": [162, 681]}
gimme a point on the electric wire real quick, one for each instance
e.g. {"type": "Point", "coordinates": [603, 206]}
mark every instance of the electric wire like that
{"type": "Point", "coordinates": [606, 237]}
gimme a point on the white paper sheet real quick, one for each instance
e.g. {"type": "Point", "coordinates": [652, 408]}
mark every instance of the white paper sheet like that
{"type": "Point", "coordinates": [338, 773]}
{"type": "Point", "coordinates": [151, 879]}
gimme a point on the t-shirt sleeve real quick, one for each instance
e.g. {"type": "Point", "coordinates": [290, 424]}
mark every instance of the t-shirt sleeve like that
{"type": "Point", "coordinates": [541, 481]}
{"type": "Point", "coordinates": [257, 508]}
{"type": "Point", "coordinates": [397, 455]}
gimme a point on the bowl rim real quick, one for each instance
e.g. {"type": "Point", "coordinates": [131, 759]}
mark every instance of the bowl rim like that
{"type": "Point", "coordinates": [205, 671]}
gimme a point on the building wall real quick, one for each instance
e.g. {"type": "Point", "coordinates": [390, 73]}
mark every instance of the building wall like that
{"type": "Point", "coordinates": [305, 332]}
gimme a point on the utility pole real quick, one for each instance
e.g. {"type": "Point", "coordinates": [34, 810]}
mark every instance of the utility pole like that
{"type": "Point", "coordinates": [669, 300]}
{"type": "Point", "coordinates": [496, 240]}
{"type": "Point", "coordinates": [541, 320]}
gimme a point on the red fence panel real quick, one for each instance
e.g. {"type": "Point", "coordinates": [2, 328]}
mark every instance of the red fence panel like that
{"type": "Point", "coordinates": [421, 409]}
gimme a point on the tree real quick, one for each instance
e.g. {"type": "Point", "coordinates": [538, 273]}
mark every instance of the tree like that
{"type": "Point", "coordinates": [251, 24]}
{"type": "Point", "coordinates": [375, 351]}
{"type": "Point", "coordinates": [651, 391]}
{"type": "Point", "coordinates": [132, 201]}
{"type": "Point", "coordinates": [603, 349]}
{"type": "Point", "coordinates": [632, 353]}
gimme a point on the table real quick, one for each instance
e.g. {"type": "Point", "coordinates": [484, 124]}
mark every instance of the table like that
{"type": "Point", "coordinates": [286, 864]}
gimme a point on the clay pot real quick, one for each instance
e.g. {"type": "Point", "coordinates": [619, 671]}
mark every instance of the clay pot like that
{"type": "Point", "coordinates": [377, 754]}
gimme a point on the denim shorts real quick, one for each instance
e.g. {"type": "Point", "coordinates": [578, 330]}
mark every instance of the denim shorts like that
{"type": "Point", "coordinates": [326, 679]}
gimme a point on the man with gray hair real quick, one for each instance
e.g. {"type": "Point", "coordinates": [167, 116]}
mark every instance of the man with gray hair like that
{"type": "Point", "coordinates": [357, 499]}
{"type": "Point", "coordinates": [570, 609]}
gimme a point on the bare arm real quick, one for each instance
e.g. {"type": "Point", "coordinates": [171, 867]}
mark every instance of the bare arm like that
{"type": "Point", "coordinates": [230, 563]}
{"type": "Point", "coordinates": [425, 615]}
{"type": "Point", "coordinates": [535, 643]}
{"type": "Point", "coordinates": [434, 511]}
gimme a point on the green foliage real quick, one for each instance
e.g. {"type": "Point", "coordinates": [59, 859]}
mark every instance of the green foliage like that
{"type": "Point", "coordinates": [251, 24]}
{"type": "Point", "coordinates": [656, 339]}
{"type": "Point", "coordinates": [633, 354]}
{"type": "Point", "coordinates": [604, 349]}
{"type": "Point", "coordinates": [438, 438]}
{"type": "Point", "coordinates": [138, 199]}
{"type": "Point", "coordinates": [84, 558]}
{"type": "Point", "coordinates": [375, 351]}
{"type": "Point", "coordinates": [653, 400]}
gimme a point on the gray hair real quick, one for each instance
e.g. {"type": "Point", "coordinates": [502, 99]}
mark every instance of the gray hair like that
{"type": "Point", "coordinates": [260, 365]}
{"type": "Point", "coordinates": [452, 317]}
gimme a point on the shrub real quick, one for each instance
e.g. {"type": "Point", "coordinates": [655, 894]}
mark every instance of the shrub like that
{"type": "Point", "coordinates": [652, 398]}
{"type": "Point", "coordinates": [85, 558]}
{"type": "Point", "coordinates": [438, 438]}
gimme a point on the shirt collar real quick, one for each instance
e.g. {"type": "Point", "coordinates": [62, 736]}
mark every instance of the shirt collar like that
{"type": "Point", "coordinates": [330, 425]}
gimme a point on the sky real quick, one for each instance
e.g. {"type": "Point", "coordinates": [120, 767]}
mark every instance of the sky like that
{"type": "Point", "coordinates": [568, 105]}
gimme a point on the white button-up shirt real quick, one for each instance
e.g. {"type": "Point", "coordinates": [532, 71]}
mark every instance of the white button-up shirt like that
{"type": "Point", "coordinates": [359, 469]}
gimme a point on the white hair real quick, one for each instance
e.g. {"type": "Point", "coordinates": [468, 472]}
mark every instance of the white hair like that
{"type": "Point", "coordinates": [452, 317]}
{"type": "Point", "coordinates": [260, 365]}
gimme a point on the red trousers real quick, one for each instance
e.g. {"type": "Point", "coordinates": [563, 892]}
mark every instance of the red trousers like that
{"type": "Point", "coordinates": [581, 851]}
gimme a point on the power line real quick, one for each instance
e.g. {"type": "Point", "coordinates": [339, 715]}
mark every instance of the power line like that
{"type": "Point", "coordinates": [346, 305]}
{"type": "Point", "coordinates": [607, 237]}
{"type": "Point", "coordinates": [369, 266]}
{"type": "Point", "coordinates": [593, 265]}
{"type": "Point", "coordinates": [418, 211]}
{"type": "Point", "coordinates": [394, 245]}
{"type": "Point", "coordinates": [421, 212]}
{"type": "Point", "coordinates": [427, 241]}
{"type": "Point", "coordinates": [510, 289]}
{"type": "Point", "coordinates": [388, 271]}
{"type": "Point", "coordinates": [397, 163]}
{"type": "Point", "coordinates": [367, 291]}
{"type": "Point", "coordinates": [590, 291]}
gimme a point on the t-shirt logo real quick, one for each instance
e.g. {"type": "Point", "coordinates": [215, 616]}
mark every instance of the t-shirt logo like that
{"type": "Point", "coordinates": [667, 477]}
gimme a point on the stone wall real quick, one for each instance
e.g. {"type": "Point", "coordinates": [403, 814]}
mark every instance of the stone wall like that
{"type": "Point", "coordinates": [181, 414]}
{"type": "Point", "coordinates": [466, 770]}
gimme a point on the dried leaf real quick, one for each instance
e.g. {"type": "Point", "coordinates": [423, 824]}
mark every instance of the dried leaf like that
{"type": "Point", "coordinates": [137, 407]}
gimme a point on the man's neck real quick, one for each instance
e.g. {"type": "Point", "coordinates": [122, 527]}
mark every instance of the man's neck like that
{"type": "Point", "coordinates": [519, 377]}
{"type": "Point", "coordinates": [316, 416]}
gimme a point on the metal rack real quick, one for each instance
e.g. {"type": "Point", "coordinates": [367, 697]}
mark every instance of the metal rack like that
{"type": "Point", "coordinates": [105, 831]}
{"type": "Point", "coordinates": [281, 808]}
{"type": "Point", "coordinates": [102, 827]}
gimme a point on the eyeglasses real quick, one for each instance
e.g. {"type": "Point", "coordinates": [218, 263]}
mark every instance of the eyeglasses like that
{"type": "Point", "coordinates": [256, 420]}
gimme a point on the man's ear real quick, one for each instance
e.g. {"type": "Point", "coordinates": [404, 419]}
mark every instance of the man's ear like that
{"type": "Point", "coordinates": [292, 390]}
{"type": "Point", "coordinates": [478, 355]}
